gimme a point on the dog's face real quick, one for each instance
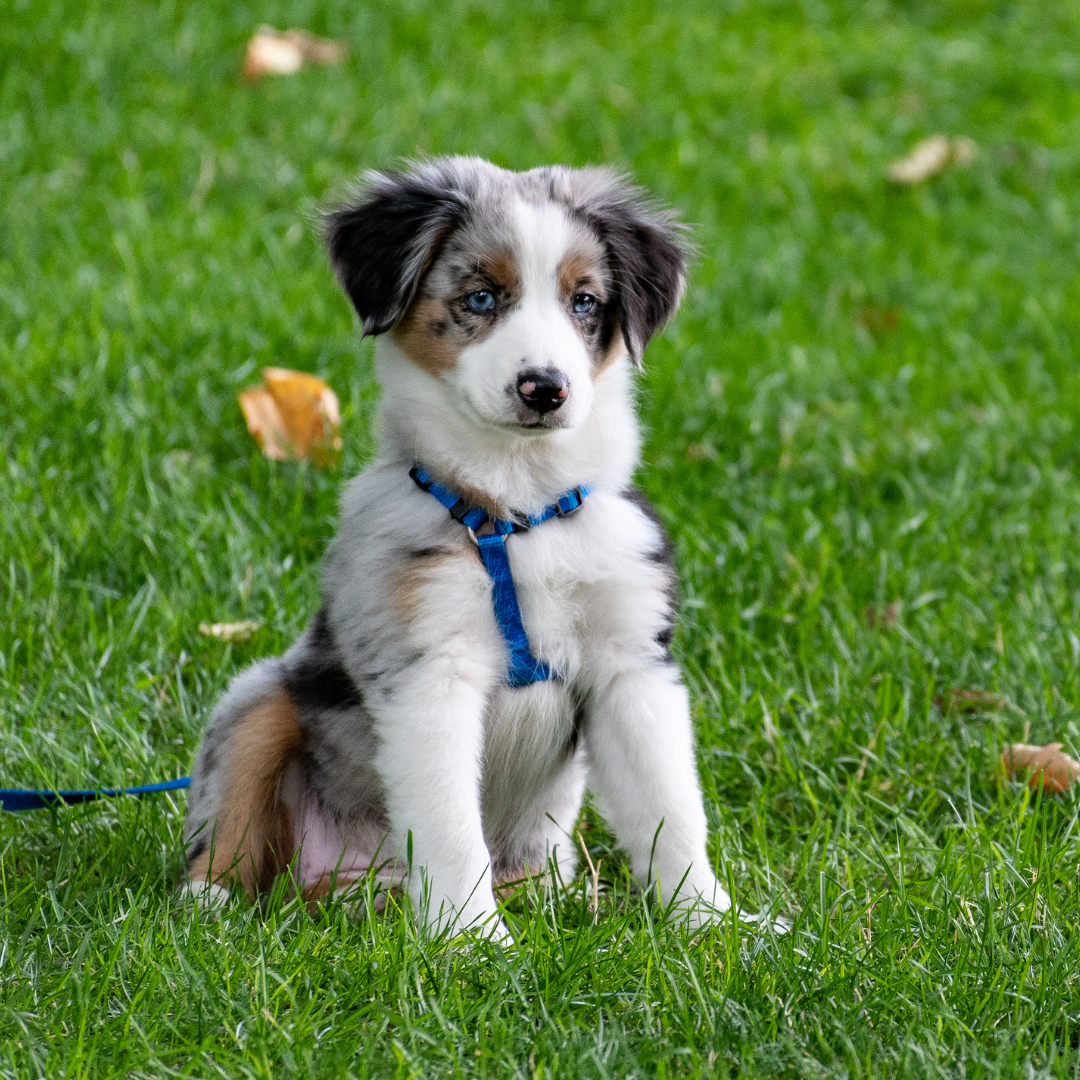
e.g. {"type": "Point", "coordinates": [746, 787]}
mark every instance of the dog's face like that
{"type": "Point", "coordinates": [515, 290]}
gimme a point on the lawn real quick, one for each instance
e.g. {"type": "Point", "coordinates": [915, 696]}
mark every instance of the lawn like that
{"type": "Point", "coordinates": [862, 432]}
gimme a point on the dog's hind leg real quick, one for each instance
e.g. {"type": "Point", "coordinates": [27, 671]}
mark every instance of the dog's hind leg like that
{"type": "Point", "coordinates": [238, 827]}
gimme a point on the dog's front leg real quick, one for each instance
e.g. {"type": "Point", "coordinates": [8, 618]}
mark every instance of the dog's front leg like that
{"type": "Point", "coordinates": [641, 760]}
{"type": "Point", "coordinates": [430, 729]}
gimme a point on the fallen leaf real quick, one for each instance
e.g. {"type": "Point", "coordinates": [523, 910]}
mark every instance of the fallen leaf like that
{"type": "Point", "coordinates": [273, 53]}
{"type": "Point", "coordinates": [293, 415]}
{"type": "Point", "coordinates": [319, 50]}
{"type": "Point", "coordinates": [968, 701]}
{"type": "Point", "coordinates": [701, 452]}
{"type": "Point", "coordinates": [1050, 769]}
{"type": "Point", "coordinates": [884, 618]}
{"type": "Point", "coordinates": [264, 422]}
{"type": "Point", "coordinates": [879, 321]}
{"type": "Point", "coordinates": [229, 631]}
{"type": "Point", "coordinates": [924, 160]}
{"type": "Point", "coordinates": [929, 157]}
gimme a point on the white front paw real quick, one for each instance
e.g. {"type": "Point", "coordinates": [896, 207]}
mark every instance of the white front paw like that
{"type": "Point", "coordinates": [209, 897]}
{"type": "Point", "coordinates": [702, 902]}
{"type": "Point", "coordinates": [476, 914]}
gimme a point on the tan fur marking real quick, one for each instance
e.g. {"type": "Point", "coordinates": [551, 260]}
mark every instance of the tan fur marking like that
{"type": "Point", "coordinates": [427, 334]}
{"type": "Point", "coordinates": [416, 335]}
{"type": "Point", "coordinates": [252, 836]}
{"type": "Point", "coordinates": [615, 349]}
{"type": "Point", "coordinates": [581, 270]}
{"type": "Point", "coordinates": [476, 497]}
{"type": "Point", "coordinates": [411, 582]}
{"type": "Point", "coordinates": [502, 268]}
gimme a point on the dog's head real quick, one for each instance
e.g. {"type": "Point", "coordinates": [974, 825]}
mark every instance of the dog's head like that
{"type": "Point", "coordinates": [515, 290]}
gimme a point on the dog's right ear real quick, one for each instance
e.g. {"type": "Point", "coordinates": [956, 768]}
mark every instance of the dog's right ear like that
{"type": "Point", "coordinates": [383, 241]}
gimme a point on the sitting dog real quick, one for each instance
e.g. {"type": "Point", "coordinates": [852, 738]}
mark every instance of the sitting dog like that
{"type": "Point", "coordinates": [498, 603]}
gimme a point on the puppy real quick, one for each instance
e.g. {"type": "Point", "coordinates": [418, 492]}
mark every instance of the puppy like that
{"type": "Point", "coordinates": [498, 603]}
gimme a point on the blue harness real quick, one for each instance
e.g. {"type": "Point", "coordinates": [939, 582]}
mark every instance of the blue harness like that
{"type": "Point", "coordinates": [524, 668]}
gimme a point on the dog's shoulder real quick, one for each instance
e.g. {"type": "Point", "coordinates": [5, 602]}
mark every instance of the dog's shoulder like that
{"type": "Point", "coordinates": [384, 515]}
{"type": "Point", "coordinates": [630, 525]}
{"type": "Point", "coordinates": [659, 548]}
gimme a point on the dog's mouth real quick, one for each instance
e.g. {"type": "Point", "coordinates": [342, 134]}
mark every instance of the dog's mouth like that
{"type": "Point", "coordinates": [533, 427]}
{"type": "Point", "coordinates": [520, 422]}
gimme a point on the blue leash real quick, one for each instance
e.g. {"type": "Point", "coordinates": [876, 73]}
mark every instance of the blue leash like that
{"type": "Point", "coordinates": [524, 668]}
{"type": "Point", "coordinates": [20, 799]}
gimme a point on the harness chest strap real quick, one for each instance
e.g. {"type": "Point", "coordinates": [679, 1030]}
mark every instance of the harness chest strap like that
{"type": "Point", "coordinates": [524, 668]}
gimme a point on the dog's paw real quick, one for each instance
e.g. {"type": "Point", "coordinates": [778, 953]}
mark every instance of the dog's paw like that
{"type": "Point", "coordinates": [703, 903]}
{"type": "Point", "coordinates": [208, 897]}
{"type": "Point", "coordinates": [778, 925]}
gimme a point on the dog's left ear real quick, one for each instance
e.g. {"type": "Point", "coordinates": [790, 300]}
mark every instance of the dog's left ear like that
{"type": "Point", "coordinates": [383, 241]}
{"type": "Point", "coordinates": [647, 251]}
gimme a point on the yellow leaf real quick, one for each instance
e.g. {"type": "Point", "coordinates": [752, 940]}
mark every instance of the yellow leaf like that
{"type": "Point", "coordinates": [264, 422]}
{"type": "Point", "coordinates": [294, 415]}
{"type": "Point", "coordinates": [1050, 769]}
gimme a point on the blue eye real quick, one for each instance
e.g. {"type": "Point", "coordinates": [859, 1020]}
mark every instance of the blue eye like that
{"type": "Point", "coordinates": [481, 301]}
{"type": "Point", "coordinates": [584, 304]}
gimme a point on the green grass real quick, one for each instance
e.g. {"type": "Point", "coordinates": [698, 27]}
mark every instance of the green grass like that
{"type": "Point", "coordinates": [871, 395]}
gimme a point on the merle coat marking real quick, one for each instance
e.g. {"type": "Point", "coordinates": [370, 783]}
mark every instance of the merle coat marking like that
{"type": "Point", "coordinates": [511, 309]}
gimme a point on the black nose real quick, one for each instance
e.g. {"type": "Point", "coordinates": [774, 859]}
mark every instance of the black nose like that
{"type": "Point", "coordinates": [543, 389]}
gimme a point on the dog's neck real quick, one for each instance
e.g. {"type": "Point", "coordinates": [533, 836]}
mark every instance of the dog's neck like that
{"type": "Point", "coordinates": [420, 422]}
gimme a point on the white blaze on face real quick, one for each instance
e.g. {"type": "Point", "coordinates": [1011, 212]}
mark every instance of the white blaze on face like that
{"type": "Point", "coordinates": [538, 333]}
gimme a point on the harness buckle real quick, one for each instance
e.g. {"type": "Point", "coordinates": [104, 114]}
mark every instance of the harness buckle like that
{"type": "Point", "coordinates": [577, 495]}
{"type": "Point", "coordinates": [423, 485]}
{"type": "Point", "coordinates": [459, 510]}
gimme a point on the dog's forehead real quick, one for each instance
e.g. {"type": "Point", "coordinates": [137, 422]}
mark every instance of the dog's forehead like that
{"type": "Point", "coordinates": [521, 217]}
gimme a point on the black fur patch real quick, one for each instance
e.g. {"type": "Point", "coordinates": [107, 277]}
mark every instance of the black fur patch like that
{"type": "Point", "coordinates": [665, 552]}
{"type": "Point", "coordinates": [648, 262]}
{"type": "Point", "coordinates": [318, 680]}
{"type": "Point", "coordinates": [580, 716]}
{"type": "Point", "coordinates": [381, 244]}
{"type": "Point", "coordinates": [663, 555]}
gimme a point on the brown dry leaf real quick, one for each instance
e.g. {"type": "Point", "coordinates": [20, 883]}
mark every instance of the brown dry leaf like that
{"type": "Point", "coordinates": [272, 53]}
{"type": "Point", "coordinates": [294, 415]}
{"type": "Point", "coordinates": [1050, 769]}
{"type": "Point", "coordinates": [886, 617]}
{"type": "Point", "coordinates": [929, 157]}
{"type": "Point", "coordinates": [229, 631]}
{"type": "Point", "coordinates": [968, 701]}
{"type": "Point", "coordinates": [879, 321]}
{"type": "Point", "coordinates": [318, 50]}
